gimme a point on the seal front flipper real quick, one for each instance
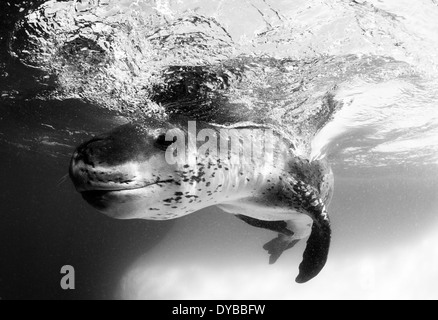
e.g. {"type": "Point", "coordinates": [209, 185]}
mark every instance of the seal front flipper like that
{"type": "Point", "coordinates": [283, 242]}
{"type": "Point", "coordinates": [277, 246]}
{"type": "Point", "coordinates": [317, 249]}
{"type": "Point", "coordinates": [277, 226]}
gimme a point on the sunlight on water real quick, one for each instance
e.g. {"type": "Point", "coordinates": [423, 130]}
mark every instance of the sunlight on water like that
{"type": "Point", "coordinates": [388, 123]}
{"type": "Point", "coordinates": [113, 53]}
{"type": "Point", "coordinates": [406, 271]}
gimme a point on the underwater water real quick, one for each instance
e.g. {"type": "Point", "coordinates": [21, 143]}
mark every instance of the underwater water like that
{"type": "Point", "coordinates": [72, 69]}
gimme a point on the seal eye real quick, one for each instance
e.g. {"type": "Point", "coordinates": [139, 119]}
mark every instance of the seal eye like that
{"type": "Point", "coordinates": [162, 144]}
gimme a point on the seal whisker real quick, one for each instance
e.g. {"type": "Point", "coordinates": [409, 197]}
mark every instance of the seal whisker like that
{"type": "Point", "coordinates": [62, 180]}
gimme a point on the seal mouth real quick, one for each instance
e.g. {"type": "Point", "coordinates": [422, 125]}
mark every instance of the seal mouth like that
{"type": "Point", "coordinates": [103, 191]}
{"type": "Point", "coordinates": [102, 199]}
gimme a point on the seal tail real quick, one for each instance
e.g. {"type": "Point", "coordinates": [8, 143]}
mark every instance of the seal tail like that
{"type": "Point", "coordinates": [318, 246]}
{"type": "Point", "coordinates": [316, 252]}
{"type": "Point", "coordinates": [277, 246]}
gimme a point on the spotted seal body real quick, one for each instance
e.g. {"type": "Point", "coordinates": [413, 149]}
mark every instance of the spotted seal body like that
{"type": "Point", "coordinates": [125, 175]}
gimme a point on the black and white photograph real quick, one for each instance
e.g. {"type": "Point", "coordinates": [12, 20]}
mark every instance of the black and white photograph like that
{"type": "Point", "coordinates": [218, 150]}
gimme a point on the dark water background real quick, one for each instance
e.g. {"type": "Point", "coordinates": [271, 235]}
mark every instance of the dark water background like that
{"type": "Point", "coordinates": [45, 225]}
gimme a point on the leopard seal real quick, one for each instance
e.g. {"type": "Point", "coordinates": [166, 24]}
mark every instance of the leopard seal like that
{"type": "Point", "coordinates": [126, 174]}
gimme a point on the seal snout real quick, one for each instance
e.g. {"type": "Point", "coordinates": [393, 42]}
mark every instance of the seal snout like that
{"type": "Point", "coordinates": [90, 152]}
{"type": "Point", "coordinates": [91, 171]}
{"type": "Point", "coordinates": [128, 157]}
